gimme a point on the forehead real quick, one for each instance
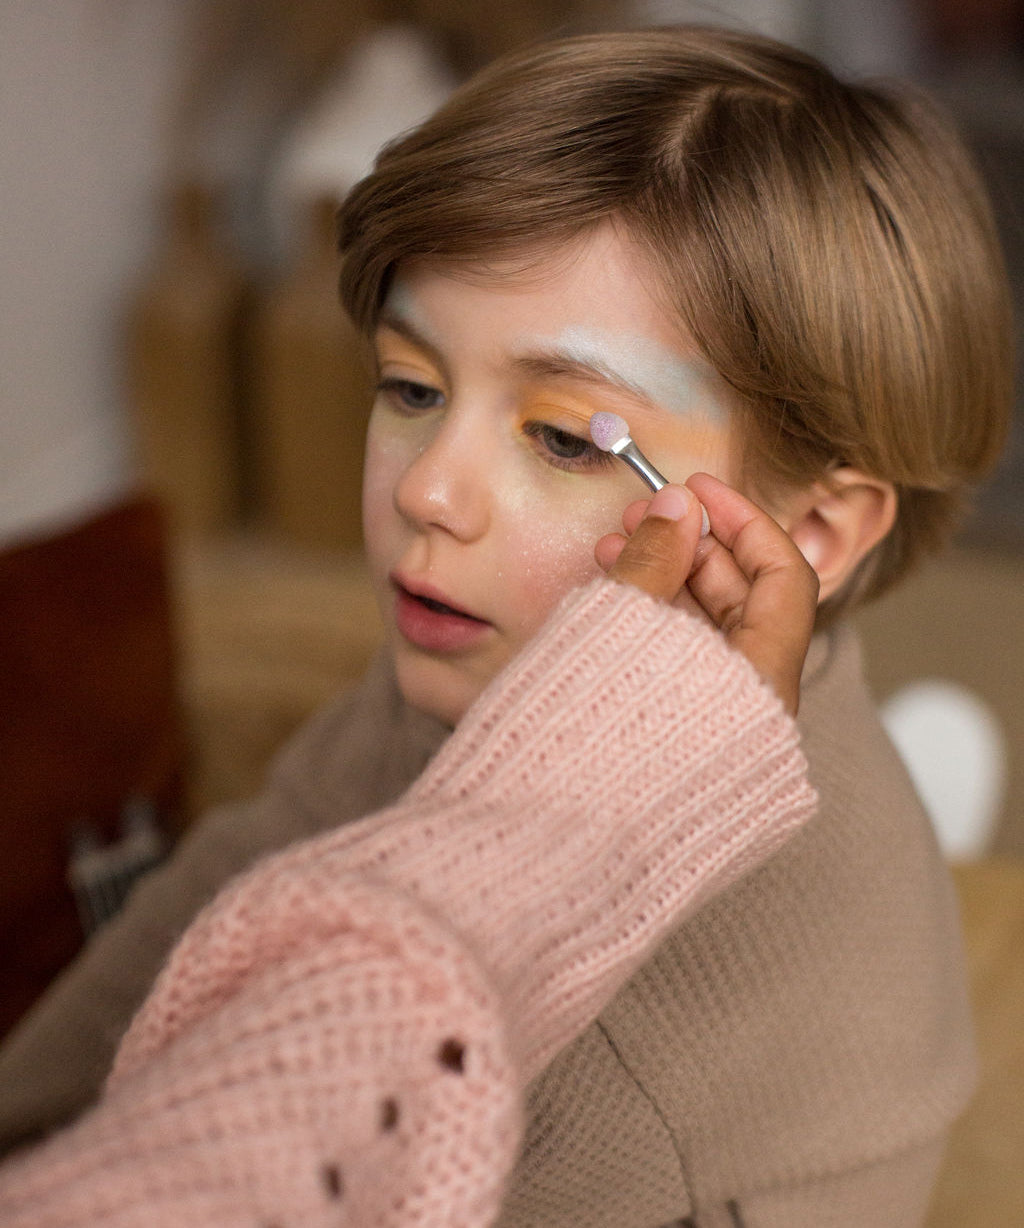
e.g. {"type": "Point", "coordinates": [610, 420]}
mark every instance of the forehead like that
{"type": "Point", "coordinates": [600, 276]}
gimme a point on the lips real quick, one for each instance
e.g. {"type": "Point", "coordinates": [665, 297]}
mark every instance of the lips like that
{"type": "Point", "coordinates": [429, 622]}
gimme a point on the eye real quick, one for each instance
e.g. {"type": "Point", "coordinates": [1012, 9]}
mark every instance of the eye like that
{"type": "Point", "coordinates": [563, 444]}
{"type": "Point", "coordinates": [565, 450]}
{"type": "Point", "coordinates": [408, 395]}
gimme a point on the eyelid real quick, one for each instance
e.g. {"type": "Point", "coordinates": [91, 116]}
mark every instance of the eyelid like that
{"type": "Point", "coordinates": [393, 377]}
{"type": "Point", "coordinates": [563, 417]}
{"type": "Point", "coordinates": [404, 368]}
{"type": "Point", "coordinates": [396, 351]}
{"type": "Point", "coordinates": [580, 405]}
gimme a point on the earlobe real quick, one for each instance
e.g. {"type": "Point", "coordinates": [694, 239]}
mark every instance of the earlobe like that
{"type": "Point", "coordinates": [838, 523]}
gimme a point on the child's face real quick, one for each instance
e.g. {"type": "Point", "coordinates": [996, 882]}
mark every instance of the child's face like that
{"type": "Point", "coordinates": [483, 495]}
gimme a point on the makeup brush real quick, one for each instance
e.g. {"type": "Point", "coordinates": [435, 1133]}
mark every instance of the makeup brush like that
{"type": "Point", "coordinates": [610, 433]}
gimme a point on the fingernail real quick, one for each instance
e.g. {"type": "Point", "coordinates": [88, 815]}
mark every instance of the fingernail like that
{"type": "Point", "coordinates": [705, 522]}
{"type": "Point", "coordinates": [670, 503]}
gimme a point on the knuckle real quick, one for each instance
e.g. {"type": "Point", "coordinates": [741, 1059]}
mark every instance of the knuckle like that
{"type": "Point", "coordinates": [655, 548]}
{"type": "Point", "coordinates": [652, 560]}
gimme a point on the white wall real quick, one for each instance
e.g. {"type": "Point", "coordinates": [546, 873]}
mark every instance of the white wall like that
{"type": "Point", "coordinates": [84, 88]}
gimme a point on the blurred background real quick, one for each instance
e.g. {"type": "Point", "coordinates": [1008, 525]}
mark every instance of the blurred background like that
{"type": "Point", "coordinates": [181, 408]}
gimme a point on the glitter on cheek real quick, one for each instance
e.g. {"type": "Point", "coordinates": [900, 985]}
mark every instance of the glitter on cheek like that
{"type": "Point", "coordinates": [389, 449]}
{"type": "Point", "coordinates": [548, 533]}
{"type": "Point", "coordinates": [389, 452]}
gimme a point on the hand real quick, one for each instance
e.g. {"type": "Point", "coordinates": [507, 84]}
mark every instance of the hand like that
{"type": "Point", "coordinates": [747, 576]}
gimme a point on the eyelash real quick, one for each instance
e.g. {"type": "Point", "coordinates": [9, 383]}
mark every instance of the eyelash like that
{"type": "Point", "coordinates": [402, 393]}
{"type": "Point", "coordinates": [398, 391]}
{"type": "Point", "coordinates": [589, 455]}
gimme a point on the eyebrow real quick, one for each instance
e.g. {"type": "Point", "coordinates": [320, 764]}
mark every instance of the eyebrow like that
{"type": "Point", "coordinates": [538, 364]}
{"type": "Point", "coordinates": [557, 364]}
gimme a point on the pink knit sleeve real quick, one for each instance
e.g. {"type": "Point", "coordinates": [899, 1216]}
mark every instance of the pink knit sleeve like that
{"type": "Point", "coordinates": [355, 1073]}
{"type": "Point", "coordinates": [343, 1035]}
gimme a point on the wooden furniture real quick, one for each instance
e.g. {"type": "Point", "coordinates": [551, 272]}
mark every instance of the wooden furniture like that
{"type": "Point", "coordinates": [982, 1180]}
{"type": "Point", "coordinates": [269, 633]}
{"type": "Point", "coordinates": [311, 397]}
{"type": "Point", "coordinates": [89, 722]}
{"type": "Point", "coordinates": [185, 369]}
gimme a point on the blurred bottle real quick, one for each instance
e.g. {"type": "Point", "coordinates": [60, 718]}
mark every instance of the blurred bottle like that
{"type": "Point", "coordinates": [312, 396]}
{"type": "Point", "coordinates": [185, 369]}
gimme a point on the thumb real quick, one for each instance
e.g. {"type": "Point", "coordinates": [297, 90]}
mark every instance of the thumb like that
{"type": "Point", "coordinates": [659, 555]}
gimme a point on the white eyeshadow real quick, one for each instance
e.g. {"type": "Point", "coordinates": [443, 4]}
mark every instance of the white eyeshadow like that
{"type": "Point", "coordinates": [682, 387]}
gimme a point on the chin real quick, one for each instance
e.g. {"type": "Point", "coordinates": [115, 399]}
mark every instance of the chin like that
{"type": "Point", "coordinates": [430, 688]}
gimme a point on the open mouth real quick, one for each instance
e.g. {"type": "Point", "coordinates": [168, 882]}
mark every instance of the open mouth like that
{"type": "Point", "coordinates": [434, 625]}
{"type": "Point", "coordinates": [434, 604]}
{"type": "Point", "coordinates": [439, 607]}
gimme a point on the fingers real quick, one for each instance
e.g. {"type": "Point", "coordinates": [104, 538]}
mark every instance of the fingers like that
{"type": "Point", "coordinates": [749, 549]}
{"type": "Point", "coordinates": [659, 554]}
{"type": "Point", "coordinates": [756, 585]}
{"type": "Point", "coordinates": [748, 578]}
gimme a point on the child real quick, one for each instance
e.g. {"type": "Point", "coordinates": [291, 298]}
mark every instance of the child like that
{"type": "Point", "coordinates": [787, 281]}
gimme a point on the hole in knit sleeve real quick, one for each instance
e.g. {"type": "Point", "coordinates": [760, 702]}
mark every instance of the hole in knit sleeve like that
{"type": "Point", "coordinates": [452, 1055]}
{"type": "Point", "coordinates": [389, 1114]}
{"type": "Point", "coordinates": [330, 1174]}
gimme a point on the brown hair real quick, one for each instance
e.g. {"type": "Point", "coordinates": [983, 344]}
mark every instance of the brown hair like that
{"type": "Point", "coordinates": [828, 246]}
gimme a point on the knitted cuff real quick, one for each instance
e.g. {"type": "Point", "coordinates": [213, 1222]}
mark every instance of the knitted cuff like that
{"type": "Point", "coordinates": [361, 1073]}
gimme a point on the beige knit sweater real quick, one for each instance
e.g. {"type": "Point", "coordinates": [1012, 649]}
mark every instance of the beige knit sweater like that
{"type": "Point", "coordinates": [791, 1056]}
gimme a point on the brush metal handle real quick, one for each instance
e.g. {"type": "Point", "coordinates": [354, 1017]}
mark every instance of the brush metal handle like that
{"type": "Point", "coordinates": [636, 460]}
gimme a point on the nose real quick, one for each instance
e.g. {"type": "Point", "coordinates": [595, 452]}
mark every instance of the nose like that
{"type": "Point", "coordinates": [446, 485]}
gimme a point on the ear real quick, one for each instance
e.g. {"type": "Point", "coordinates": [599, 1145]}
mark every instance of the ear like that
{"type": "Point", "coordinates": [838, 523]}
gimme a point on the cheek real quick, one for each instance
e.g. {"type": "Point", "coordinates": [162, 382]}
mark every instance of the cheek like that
{"type": "Point", "coordinates": [386, 459]}
{"type": "Point", "coordinates": [547, 550]}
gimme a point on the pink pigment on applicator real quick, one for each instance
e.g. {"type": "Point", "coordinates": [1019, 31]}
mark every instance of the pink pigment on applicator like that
{"type": "Point", "coordinates": [610, 432]}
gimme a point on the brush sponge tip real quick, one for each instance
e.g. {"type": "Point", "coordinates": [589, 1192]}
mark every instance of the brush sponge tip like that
{"type": "Point", "coordinates": [606, 430]}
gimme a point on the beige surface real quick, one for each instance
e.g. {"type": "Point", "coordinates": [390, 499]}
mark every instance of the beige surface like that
{"type": "Point", "coordinates": [961, 619]}
{"type": "Point", "coordinates": [982, 1181]}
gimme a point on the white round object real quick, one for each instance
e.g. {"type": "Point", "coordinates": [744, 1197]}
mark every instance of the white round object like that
{"type": "Point", "coordinates": [955, 751]}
